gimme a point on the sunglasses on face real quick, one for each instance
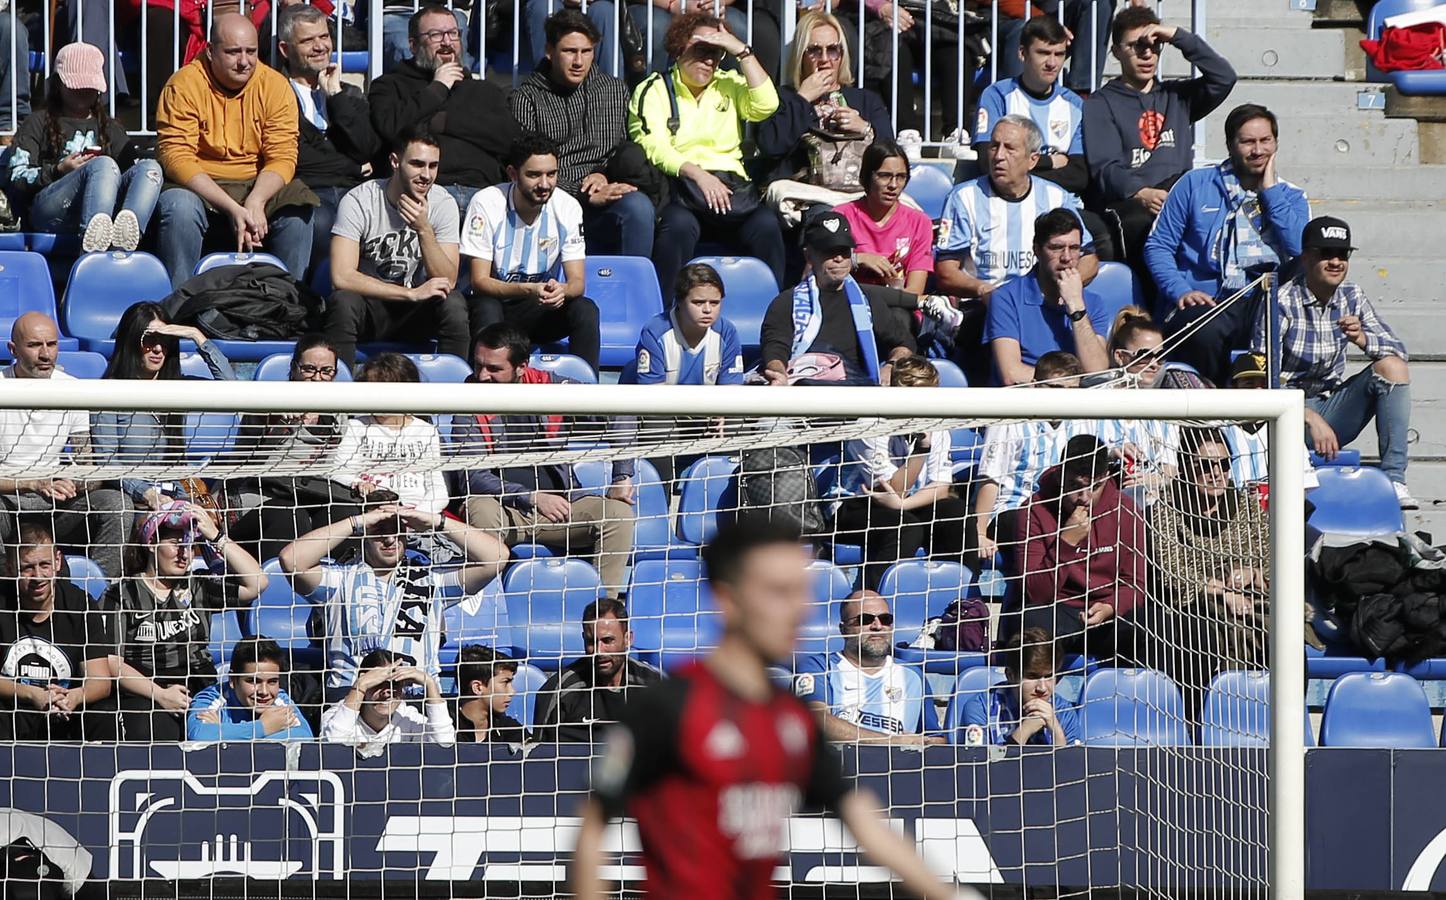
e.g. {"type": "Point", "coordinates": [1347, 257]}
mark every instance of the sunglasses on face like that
{"type": "Point", "coordinates": [1334, 253]}
{"type": "Point", "coordinates": [1143, 47]}
{"type": "Point", "coordinates": [706, 53]}
{"type": "Point", "coordinates": [832, 51]}
{"type": "Point", "coordinates": [1138, 354]}
{"type": "Point", "coordinates": [1211, 463]}
{"type": "Point", "coordinates": [866, 619]}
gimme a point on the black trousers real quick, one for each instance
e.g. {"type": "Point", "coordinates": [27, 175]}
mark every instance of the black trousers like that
{"type": "Point", "coordinates": [1208, 349]}
{"type": "Point", "coordinates": [889, 535]}
{"type": "Point", "coordinates": [575, 319]}
{"type": "Point", "coordinates": [1118, 641]}
{"type": "Point", "coordinates": [350, 318]}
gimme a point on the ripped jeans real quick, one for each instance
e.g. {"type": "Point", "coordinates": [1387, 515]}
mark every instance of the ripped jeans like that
{"type": "Point", "coordinates": [66, 204]}
{"type": "Point", "coordinates": [1365, 396]}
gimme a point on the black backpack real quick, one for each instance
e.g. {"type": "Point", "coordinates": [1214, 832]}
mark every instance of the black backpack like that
{"type": "Point", "coordinates": [778, 482]}
{"type": "Point", "coordinates": [258, 302]}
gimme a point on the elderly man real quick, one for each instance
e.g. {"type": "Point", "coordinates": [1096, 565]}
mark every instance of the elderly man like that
{"type": "Point", "coordinates": [89, 513]}
{"type": "Point", "coordinates": [226, 133]}
{"type": "Point", "coordinates": [861, 693]}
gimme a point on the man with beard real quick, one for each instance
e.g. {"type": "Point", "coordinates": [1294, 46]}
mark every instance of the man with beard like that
{"type": "Point", "coordinates": [861, 694]}
{"type": "Point", "coordinates": [468, 115]}
{"type": "Point", "coordinates": [590, 692]}
{"type": "Point", "coordinates": [528, 257]}
{"type": "Point", "coordinates": [337, 140]}
{"type": "Point", "coordinates": [394, 258]}
{"type": "Point", "coordinates": [1219, 226]}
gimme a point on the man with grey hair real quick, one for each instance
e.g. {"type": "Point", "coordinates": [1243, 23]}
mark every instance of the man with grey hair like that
{"type": "Point", "coordinates": [337, 140]}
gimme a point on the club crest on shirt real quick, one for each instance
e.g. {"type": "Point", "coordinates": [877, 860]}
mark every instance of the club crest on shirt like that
{"type": "Point", "coordinates": [974, 735]}
{"type": "Point", "coordinates": [981, 122]}
{"type": "Point", "coordinates": [1059, 131]}
{"type": "Point", "coordinates": [477, 224]}
{"type": "Point", "coordinates": [895, 694]}
{"type": "Point", "coordinates": [645, 361]}
{"type": "Point", "coordinates": [803, 685]}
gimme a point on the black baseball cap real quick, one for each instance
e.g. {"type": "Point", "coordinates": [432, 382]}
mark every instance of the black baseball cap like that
{"type": "Point", "coordinates": [1326, 233]}
{"type": "Point", "coordinates": [828, 233]}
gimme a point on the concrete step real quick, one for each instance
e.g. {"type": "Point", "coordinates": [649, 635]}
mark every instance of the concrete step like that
{"type": "Point", "coordinates": [1282, 52]}
{"type": "Point", "coordinates": [1333, 137]}
{"type": "Point", "coordinates": [1393, 281]}
{"type": "Point", "coordinates": [1338, 183]}
{"type": "Point", "coordinates": [1404, 230]}
{"type": "Point", "coordinates": [1428, 428]}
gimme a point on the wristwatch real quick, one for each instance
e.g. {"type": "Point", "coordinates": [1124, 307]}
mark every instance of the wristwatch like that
{"type": "Point", "coordinates": [746, 52]}
{"type": "Point", "coordinates": [1078, 315]}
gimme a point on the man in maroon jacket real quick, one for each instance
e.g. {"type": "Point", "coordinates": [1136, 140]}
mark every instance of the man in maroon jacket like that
{"type": "Point", "coordinates": [1083, 562]}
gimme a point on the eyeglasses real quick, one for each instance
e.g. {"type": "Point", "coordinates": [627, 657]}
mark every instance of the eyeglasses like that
{"type": "Point", "coordinates": [440, 34]}
{"type": "Point", "coordinates": [832, 51]}
{"type": "Point", "coordinates": [892, 177]}
{"type": "Point", "coordinates": [867, 619]}
{"type": "Point", "coordinates": [322, 371]}
{"type": "Point", "coordinates": [1143, 47]}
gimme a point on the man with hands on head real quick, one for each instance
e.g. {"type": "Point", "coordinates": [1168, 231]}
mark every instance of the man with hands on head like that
{"type": "Point", "coordinates": [373, 713]}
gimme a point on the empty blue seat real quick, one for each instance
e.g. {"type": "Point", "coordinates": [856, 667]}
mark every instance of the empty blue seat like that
{"type": "Point", "coordinates": [545, 602]}
{"type": "Point", "coordinates": [819, 632]}
{"type": "Point", "coordinates": [564, 365]}
{"type": "Point", "coordinates": [277, 367]}
{"type": "Point", "coordinates": [748, 288]}
{"type": "Point", "coordinates": [1133, 707]}
{"type": "Point", "coordinates": [1355, 501]}
{"type": "Point", "coordinates": [101, 287]}
{"type": "Point", "coordinates": [25, 287]}
{"type": "Point", "coordinates": [209, 434]}
{"type": "Point", "coordinates": [625, 289]}
{"type": "Point", "coordinates": [281, 614]}
{"type": "Point", "coordinates": [443, 368]}
{"type": "Point", "coordinates": [1237, 711]}
{"type": "Point", "coordinates": [919, 589]}
{"type": "Point", "coordinates": [1377, 709]}
{"type": "Point", "coordinates": [193, 365]}
{"type": "Point", "coordinates": [216, 260]}
{"type": "Point", "coordinates": [85, 574]}
{"type": "Point", "coordinates": [1342, 458]}
{"type": "Point", "coordinates": [704, 483]}
{"type": "Point", "coordinates": [1328, 665]}
{"type": "Point", "coordinates": [226, 631]}
{"type": "Point", "coordinates": [1375, 23]}
{"type": "Point", "coordinates": [929, 186]}
{"type": "Point", "coordinates": [526, 685]}
{"type": "Point", "coordinates": [480, 619]}
{"type": "Point", "coordinates": [950, 375]}
{"type": "Point", "coordinates": [671, 611]}
{"type": "Point", "coordinates": [1117, 285]}
{"type": "Point", "coordinates": [972, 681]}
{"type": "Point", "coordinates": [82, 363]}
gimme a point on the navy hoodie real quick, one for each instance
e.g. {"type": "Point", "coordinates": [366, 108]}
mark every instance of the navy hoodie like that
{"type": "Point", "coordinates": [1134, 139]}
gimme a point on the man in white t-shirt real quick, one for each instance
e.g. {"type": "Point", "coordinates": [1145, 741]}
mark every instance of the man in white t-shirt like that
{"type": "Point", "coordinates": [394, 258]}
{"type": "Point", "coordinates": [525, 241]}
{"type": "Point", "coordinates": [89, 513]}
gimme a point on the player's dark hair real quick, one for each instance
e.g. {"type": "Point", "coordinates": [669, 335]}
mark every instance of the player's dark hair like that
{"type": "Point", "coordinates": [1028, 653]}
{"type": "Point", "coordinates": [1248, 112]}
{"type": "Point", "coordinates": [1054, 223]}
{"type": "Point", "coordinates": [873, 160]}
{"type": "Point", "coordinates": [725, 556]}
{"type": "Point", "coordinates": [477, 662]}
{"type": "Point", "coordinates": [696, 275]}
{"type": "Point", "coordinates": [570, 21]}
{"type": "Point", "coordinates": [1129, 19]}
{"type": "Point", "coordinates": [1045, 29]}
{"type": "Point", "coordinates": [389, 368]}
{"type": "Point", "coordinates": [499, 335]}
{"type": "Point", "coordinates": [1057, 364]}
{"type": "Point", "coordinates": [1085, 460]}
{"type": "Point", "coordinates": [530, 144]}
{"type": "Point", "coordinates": [252, 650]}
{"type": "Point", "coordinates": [603, 607]}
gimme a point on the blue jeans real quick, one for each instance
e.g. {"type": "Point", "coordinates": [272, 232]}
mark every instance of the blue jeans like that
{"type": "Point", "coordinates": [463, 194]}
{"type": "Point", "coordinates": [1363, 397]}
{"type": "Point", "coordinates": [185, 223]}
{"type": "Point", "coordinates": [98, 185]}
{"type": "Point", "coordinates": [322, 218]}
{"type": "Point", "coordinates": [624, 226]}
{"type": "Point", "coordinates": [397, 46]}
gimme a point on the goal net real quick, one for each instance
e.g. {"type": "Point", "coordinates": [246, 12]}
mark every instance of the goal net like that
{"type": "Point", "coordinates": [1057, 633]}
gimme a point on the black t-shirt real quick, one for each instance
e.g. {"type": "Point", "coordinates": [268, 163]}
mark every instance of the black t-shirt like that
{"type": "Point", "coordinates": [836, 334]}
{"type": "Point", "coordinates": [571, 709]}
{"type": "Point", "coordinates": [53, 651]}
{"type": "Point", "coordinates": [503, 728]}
{"type": "Point", "coordinates": [170, 637]}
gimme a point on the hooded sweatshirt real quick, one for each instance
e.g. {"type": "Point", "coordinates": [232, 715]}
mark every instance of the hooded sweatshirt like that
{"type": "Point", "coordinates": [1135, 139]}
{"type": "Point", "coordinates": [587, 122]}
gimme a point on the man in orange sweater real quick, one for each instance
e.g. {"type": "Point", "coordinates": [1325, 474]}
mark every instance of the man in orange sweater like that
{"type": "Point", "coordinates": [227, 139]}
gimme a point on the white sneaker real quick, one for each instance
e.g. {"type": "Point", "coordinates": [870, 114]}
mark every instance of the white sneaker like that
{"type": "Point", "coordinates": [97, 234]}
{"type": "Point", "coordinates": [941, 310]}
{"type": "Point", "coordinates": [911, 140]}
{"type": "Point", "coordinates": [958, 144]}
{"type": "Point", "coordinates": [126, 231]}
{"type": "Point", "coordinates": [1403, 496]}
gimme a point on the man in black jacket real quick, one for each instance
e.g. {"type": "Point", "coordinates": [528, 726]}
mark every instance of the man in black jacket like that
{"type": "Point", "coordinates": [468, 116]}
{"type": "Point", "coordinates": [337, 140]}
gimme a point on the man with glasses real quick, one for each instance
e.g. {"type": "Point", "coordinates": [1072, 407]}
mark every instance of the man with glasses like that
{"type": "Point", "coordinates": [1220, 227]}
{"type": "Point", "coordinates": [468, 115]}
{"type": "Point", "coordinates": [1049, 308]}
{"type": "Point", "coordinates": [1137, 134]}
{"type": "Point", "coordinates": [1322, 316]}
{"type": "Point", "coordinates": [861, 694]}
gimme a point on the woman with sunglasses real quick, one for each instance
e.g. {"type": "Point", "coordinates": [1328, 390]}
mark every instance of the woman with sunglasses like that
{"type": "Point", "coordinates": [147, 348]}
{"type": "Point", "coordinates": [1206, 536]}
{"type": "Point", "coordinates": [1146, 446]}
{"type": "Point", "coordinates": [163, 612]}
{"type": "Point", "coordinates": [277, 510]}
{"type": "Point", "coordinates": [824, 123]}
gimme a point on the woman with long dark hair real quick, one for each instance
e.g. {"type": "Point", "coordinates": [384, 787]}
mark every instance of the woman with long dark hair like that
{"type": "Point", "coordinates": [73, 164]}
{"type": "Point", "coordinates": [147, 348]}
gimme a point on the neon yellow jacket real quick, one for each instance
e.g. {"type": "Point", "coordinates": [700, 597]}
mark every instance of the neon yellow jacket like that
{"type": "Point", "coordinates": [710, 126]}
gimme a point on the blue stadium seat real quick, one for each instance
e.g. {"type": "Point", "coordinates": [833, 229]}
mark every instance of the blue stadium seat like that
{"type": "Point", "coordinates": [1380, 12]}
{"type": "Point", "coordinates": [748, 288]}
{"type": "Point", "coordinates": [625, 289]}
{"type": "Point", "coordinates": [970, 682]}
{"type": "Point", "coordinates": [1133, 707]}
{"type": "Point", "coordinates": [1327, 665]}
{"type": "Point", "coordinates": [919, 589]}
{"type": "Point", "coordinates": [101, 286]}
{"type": "Point", "coordinates": [354, 62]}
{"type": "Point", "coordinates": [545, 601]}
{"type": "Point", "coordinates": [564, 365]}
{"type": "Point", "coordinates": [1419, 83]}
{"type": "Point", "coordinates": [277, 367]}
{"type": "Point", "coordinates": [209, 434]}
{"type": "Point", "coordinates": [216, 260]}
{"type": "Point", "coordinates": [671, 611]}
{"type": "Point", "coordinates": [25, 286]}
{"type": "Point", "coordinates": [480, 619]}
{"type": "Point", "coordinates": [1377, 709]}
{"type": "Point", "coordinates": [281, 615]}
{"type": "Point", "coordinates": [13, 240]}
{"type": "Point", "coordinates": [819, 632]}
{"type": "Point", "coordinates": [443, 368]}
{"type": "Point", "coordinates": [929, 186]}
{"type": "Point", "coordinates": [704, 483]}
{"type": "Point", "coordinates": [652, 528]}
{"type": "Point", "coordinates": [321, 277]}
{"type": "Point", "coordinates": [1355, 501]}
{"type": "Point", "coordinates": [226, 630]}
{"type": "Point", "coordinates": [85, 574]}
{"type": "Point", "coordinates": [1119, 287]}
{"type": "Point", "coordinates": [950, 375]}
{"type": "Point", "coordinates": [526, 684]}
{"type": "Point", "coordinates": [1237, 712]}
{"type": "Point", "coordinates": [53, 244]}
{"type": "Point", "coordinates": [193, 365]}
{"type": "Point", "coordinates": [82, 363]}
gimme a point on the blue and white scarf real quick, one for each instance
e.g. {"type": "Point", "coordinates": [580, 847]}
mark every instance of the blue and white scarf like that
{"type": "Point", "coordinates": [1246, 239]}
{"type": "Point", "coordinates": [1000, 727]}
{"type": "Point", "coordinates": [808, 320]}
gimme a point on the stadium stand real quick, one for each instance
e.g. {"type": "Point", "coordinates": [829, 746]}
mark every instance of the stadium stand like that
{"type": "Point", "coordinates": [1377, 709]}
{"type": "Point", "coordinates": [25, 286]}
{"type": "Point", "coordinates": [1133, 708]}
{"type": "Point", "coordinates": [748, 288]}
{"type": "Point", "coordinates": [101, 286]}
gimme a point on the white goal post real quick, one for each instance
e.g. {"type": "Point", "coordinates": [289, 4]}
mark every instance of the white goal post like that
{"type": "Point", "coordinates": [1283, 411]}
